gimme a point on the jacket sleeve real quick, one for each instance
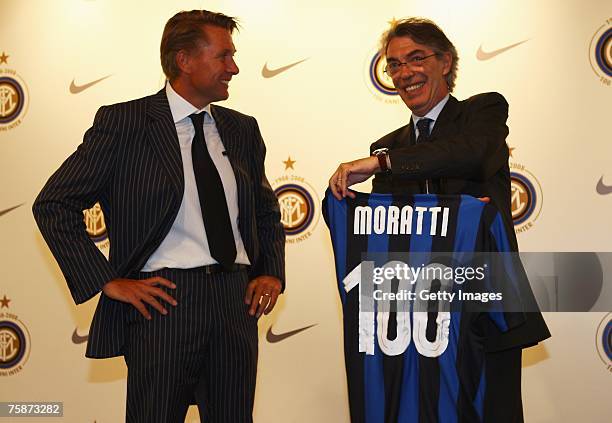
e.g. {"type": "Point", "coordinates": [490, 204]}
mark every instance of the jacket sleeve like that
{"type": "Point", "coordinates": [475, 151]}
{"type": "Point", "coordinates": [76, 186]}
{"type": "Point", "coordinates": [269, 227]}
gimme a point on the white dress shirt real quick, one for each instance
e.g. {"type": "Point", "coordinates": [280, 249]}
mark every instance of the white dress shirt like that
{"type": "Point", "coordinates": [432, 114]}
{"type": "Point", "coordinates": [186, 245]}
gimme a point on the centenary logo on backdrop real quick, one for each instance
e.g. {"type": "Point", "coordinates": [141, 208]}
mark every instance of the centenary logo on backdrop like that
{"type": "Point", "coordinates": [13, 96]}
{"type": "Point", "coordinates": [526, 196]}
{"type": "Point", "coordinates": [600, 53]}
{"type": "Point", "coordinates": [604, 341]}
{"type": "Point", "coordinates": [377, 81]}
{"type": "Point", "coordinates": [96, 228]}
{"type": "Point", "coordinates": [298, 203]}
{"type": "Point", "coordinates": [14, 340]}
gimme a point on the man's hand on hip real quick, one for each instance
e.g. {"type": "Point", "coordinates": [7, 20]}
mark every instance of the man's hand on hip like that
{"type": "Point", "coordinates": [140, 291]}
{"type": "Point", "coordinates": [352, 173]}
{"type": "Point", "coordinates": [262, 293]}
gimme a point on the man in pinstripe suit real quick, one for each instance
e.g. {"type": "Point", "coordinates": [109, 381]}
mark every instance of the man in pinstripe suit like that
{"type": "Point", "coordinates": [192, 222]}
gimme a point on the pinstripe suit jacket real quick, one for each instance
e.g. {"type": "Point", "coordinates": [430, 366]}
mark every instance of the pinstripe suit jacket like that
{"type": "Point", "coordinates": [130, 162]}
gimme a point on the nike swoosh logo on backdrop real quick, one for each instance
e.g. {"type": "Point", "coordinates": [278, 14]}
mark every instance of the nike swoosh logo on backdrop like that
{"type": "Point", "coordinates": [602, 188]}
{"type": "Point", "coordinates": [269, 73]}
{"type": "Point", "coordinates": [3, 212]}
{"type": "Point", "coordinates": [486, 55]}
{"type": "Point", "coordinates": [78, 339]}
{"type": "Point", "coordinates": [273, 338]}
{"type": "Point", "coordinates": [75, 89]}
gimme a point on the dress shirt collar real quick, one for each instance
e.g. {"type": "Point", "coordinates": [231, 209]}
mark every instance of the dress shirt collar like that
{"type": "Point", "coordinates": [181, 108]}
{"type": "Point", "coordinates": [433, 113]}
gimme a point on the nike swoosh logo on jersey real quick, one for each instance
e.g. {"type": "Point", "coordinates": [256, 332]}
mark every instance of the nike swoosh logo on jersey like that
{"type": "Point", "coordinates": [78, 339]}
{"type": "Point", "coordinates": [3, 212]}
{"type": "Point", "coordinates": [269, 73]}
{"type": "Point", "coordinates": [486, 55]}
{"type": "Point", "coordinates": [274, 338]}
{"type": "Point", "coordinates": [75, 89]}
{"type": "Point", "coordinates": [602, 188]}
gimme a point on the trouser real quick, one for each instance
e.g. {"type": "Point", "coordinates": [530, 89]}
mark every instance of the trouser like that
{"type": "Point", "coordinates": [204, 351]}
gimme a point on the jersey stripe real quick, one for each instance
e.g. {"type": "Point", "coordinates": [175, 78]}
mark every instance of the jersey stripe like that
{"type": "Point", "coordinates": [457, 242]}
{"type": "Point", "coordinates": [373, 364]}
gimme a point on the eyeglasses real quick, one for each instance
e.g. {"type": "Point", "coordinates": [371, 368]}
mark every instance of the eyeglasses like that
{"type": "Point", "coordinates": [394, 67]}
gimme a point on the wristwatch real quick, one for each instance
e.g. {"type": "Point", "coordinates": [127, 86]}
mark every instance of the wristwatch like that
{"type": "Point", "coordinates": [383, 159]}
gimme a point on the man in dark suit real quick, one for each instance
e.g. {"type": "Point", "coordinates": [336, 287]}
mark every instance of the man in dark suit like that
{"type": "Point", "coordinates": [449, 147]}
{"type": "Point", "coordinates": [192, 222]}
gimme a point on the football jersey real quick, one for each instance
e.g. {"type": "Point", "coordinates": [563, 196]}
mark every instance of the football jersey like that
{"type": "Point", "coordinates": [423, 362]}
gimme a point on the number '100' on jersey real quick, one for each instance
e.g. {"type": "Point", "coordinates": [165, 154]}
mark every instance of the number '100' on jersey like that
{"type": "Point", "coordinates": [408, 366]}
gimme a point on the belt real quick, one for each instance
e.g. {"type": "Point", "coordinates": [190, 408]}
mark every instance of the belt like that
{"type": "Point", "coordinates": [209, 270]}
{"type": "Point", "coordinates": [218, 268]}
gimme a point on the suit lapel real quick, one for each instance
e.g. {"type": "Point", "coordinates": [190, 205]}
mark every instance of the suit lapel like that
{"type": "Point", "coordinates": [161, 133]}
{"type": "Point", "coordinates": [446, 123]}
{"type": "Point", "coordinates": [408, 136]}
{"type": "Point", "coordinates": [229, 132]}
{"type": "Point", "coordinates": [445, 128]}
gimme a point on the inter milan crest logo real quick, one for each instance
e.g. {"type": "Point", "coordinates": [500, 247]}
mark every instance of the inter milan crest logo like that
{"type": "Point", "coordinates": [381, 81]}
{"type": "Point", "coordinates": [526, 197]}
{"type": "Point", "coordinates": [523, 197]}
{"type": "Point", "coordinates": [604, 341]}
{"type": "Point", "coordinates": [94, 223]}
{"type": "Point", "coordinates": [377, 81]}
{"type": "Point", "coordinates": [600, 53]}
{"type": "Point", "coordinates": [13, 96]}
{"type": "Point", "coordinates": [298, 205]}
{"type": "Point", "coordinates": [14, 341]}
{"type": "Point", "coordinates": [96, 228]}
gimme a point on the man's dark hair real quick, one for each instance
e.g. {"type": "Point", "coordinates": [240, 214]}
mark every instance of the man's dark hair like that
{"type": "Point", "coordinates": [426, 32]}
{"type": "Point", "coordinates": [183, 31]}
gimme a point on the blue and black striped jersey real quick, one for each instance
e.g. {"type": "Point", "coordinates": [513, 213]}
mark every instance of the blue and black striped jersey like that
{"type": "Point", "coordinates": [419, 361]}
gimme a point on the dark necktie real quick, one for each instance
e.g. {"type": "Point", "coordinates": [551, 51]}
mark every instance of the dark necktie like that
{"type": "Point", "coordinates": [212, 198]}
{"type": "Point", "coordinates": [423, 126]}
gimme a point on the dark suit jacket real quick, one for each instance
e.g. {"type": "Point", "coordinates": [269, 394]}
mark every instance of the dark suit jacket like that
{"type": "Point", "coordinates": [466, 154]}
{"type": "Point", "coordinates": [130, 162]}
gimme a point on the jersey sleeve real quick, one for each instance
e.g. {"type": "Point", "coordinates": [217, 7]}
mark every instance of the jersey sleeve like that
{"type": "Point", "coordinates": [335, 215]}
{"type": "Point", "coordinates": [506, 277]}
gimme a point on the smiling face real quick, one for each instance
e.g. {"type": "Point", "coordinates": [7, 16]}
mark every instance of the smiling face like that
{"type": "Point", "coordinates": [420, 84]}
{"type": "Point", "coordinates": [207, 70]}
